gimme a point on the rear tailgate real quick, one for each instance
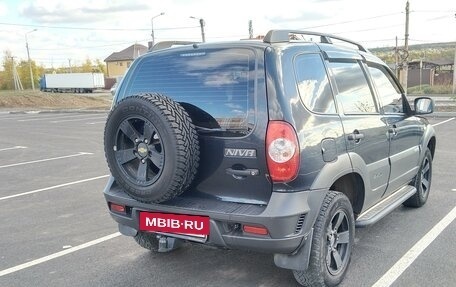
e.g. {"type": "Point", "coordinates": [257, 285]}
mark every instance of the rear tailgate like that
{"type": "Point", "coordinates": [223, 90]}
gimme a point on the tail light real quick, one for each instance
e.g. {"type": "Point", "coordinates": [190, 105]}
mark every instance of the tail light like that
{"type": "Point", "coordinates": [282, 151]}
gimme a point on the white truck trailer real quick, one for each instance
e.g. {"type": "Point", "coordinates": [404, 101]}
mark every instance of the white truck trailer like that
{"type": "Point", "coordinates": [72, 82]}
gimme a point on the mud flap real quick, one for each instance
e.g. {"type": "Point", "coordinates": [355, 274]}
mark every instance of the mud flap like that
{"type": "Point", "coordinates": [298, 260]}
{"type": "Point", "coordinates": [127, 230]}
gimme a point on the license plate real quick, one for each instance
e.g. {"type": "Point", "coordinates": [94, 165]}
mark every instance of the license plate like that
{"type": "Point", "coordinates": [174, 223]}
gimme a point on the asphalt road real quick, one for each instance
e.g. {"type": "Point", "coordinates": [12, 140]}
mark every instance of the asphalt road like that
{"type": "Point", "coordinates": [55, 221]}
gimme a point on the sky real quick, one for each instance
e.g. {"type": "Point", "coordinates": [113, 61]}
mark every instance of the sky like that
{"type": "Point", "coordinates": [74, 30]}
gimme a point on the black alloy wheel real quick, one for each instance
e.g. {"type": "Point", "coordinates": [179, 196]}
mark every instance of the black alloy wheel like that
{"type": "Point", "coordinates": [332, 243]}
{"type": "Point", "coordinates": [425, 175]}
{"type": "Point", "coordinates": [422, 182]}
{"type": "Point", "coordinates": [139, 150]}
{"type": "Point", "coordinates": [338, 243]}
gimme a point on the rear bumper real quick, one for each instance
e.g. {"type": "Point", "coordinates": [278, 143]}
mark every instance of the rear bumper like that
{"type": "Point", "coordinates": [288, 218]}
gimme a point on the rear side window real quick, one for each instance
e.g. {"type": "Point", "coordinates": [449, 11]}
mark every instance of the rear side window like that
{"type": "Point", "coordinates": [354, 92]}
{"type": "Point", "coordinates": [216, 86]}
{"type": "Point", "coordinates": [313, 84]}
{"type": "Point", "coordinates": [388, 92]}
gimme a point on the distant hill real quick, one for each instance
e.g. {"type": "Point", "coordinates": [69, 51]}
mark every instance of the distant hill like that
{"type": "Point", "coordinates": [430, 52]}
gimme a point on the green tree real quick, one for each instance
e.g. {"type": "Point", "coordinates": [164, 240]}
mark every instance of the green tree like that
{"type": "Point", "coordinates": [6, 79]}
{"type": "Point", "coordinates": [86, 67]}
{"type": "Point", "coordinates": [23, 69]}
{"type": "Point", "coordinates": [100, 66]}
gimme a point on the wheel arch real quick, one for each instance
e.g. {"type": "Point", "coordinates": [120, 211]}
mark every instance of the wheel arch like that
{"type": "Point", "coordinates": [431, 145]}
{"type": "Point", "coordinates": [428, 141]}
{"type": "Point", "coordinates": [352, 185]}
{"type": "Point", "coordinates": [346, 175]}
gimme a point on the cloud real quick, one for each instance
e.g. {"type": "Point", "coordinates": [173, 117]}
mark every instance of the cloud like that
{"type": "Point", "coordinates": [3, 9]}
{"type": "Point", "coordinates": [115, 9]}
{"type": "Point", "coordinates": [303, 16]}
{"type": "Point", "coordinates": [63, 12]}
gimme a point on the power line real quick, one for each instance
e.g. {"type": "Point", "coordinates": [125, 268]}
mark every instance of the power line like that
{"type": "Point", "coordinates": [380, 40]}
{"type": "Point", "coordinates": [351, 21]}
{"type": "Point", "coordinates": [444, 17]}
{"type": "Point", "coordinates": [430, 41]}
{"type": "Point", "coordinates": [128, 42]}
{"type": "Point", "coordinates": [94, 29]}
{"type": "Point", "coordinates": [370, 29]}
{"type": "Point", "coordinates": [199, 38]}
{"type": "Point", "coordinates": [88, 47]}
{"type": "Point", "coordinates": [416, 40]}
{"type": "Point", "coordinates": [431, 11]}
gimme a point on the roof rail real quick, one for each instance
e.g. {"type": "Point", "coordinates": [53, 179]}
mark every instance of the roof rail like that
{"type": "Point", "coordinates": [280, 36]}
{"type": "Point", "coordinates": [168, 44]}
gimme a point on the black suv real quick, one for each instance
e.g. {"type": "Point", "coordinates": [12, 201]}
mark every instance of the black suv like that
{"type": "Point", "coordinates": [280, 146]}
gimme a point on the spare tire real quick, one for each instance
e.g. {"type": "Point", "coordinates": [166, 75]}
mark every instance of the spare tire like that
{"type": "Point", "coordinates": [151, 147]}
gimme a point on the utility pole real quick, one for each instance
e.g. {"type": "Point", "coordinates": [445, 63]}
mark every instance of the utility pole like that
{"type": "Point", "coordinates": [396, 58]}
{"type": "Point", "coordinates": [152, 34]}
{"type": "Point", "coordinates": [421, 72]}
{"type": "Point", "coordinates": [405, 67]}
{"type": "Point", "coordinates": [203, 36]}
{"type": "Point", "coordinates": [250, 29]}
{"type": "Point", "coordinates": [202, 23]}
{"type": "Point", "coordinates": [29, 61]}
{"type": "Point", "coordinates": [16, 78]}
{"type": "Point", "coordinates": [454, 69]}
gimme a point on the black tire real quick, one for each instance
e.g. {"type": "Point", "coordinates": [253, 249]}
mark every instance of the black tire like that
{"type": "Point", "coordinates": [147, 240]}
{"type": "Point", "coordinates": [422, 182]}
{"type": "Point", "coordinates": [333, 238]}
{"type": "Point", "coordinates": [151, 147]}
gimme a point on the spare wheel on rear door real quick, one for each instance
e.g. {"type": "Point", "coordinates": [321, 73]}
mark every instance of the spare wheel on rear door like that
{"type": "Point", "coordinates": [151, 146]}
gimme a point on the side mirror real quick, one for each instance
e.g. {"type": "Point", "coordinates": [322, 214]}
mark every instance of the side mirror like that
{"type": "Point", "coordinates": [424, 106]}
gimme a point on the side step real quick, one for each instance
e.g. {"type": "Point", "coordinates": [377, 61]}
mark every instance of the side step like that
{"type": "Point", "coordinates": [388, 204]}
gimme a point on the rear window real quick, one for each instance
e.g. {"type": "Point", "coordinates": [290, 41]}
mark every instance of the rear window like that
{"type": "Point", "coordinates": [216, 86]}
{"type": "Point", "coordinates": [313, 84]}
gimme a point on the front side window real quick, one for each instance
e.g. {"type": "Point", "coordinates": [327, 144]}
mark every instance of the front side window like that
{"type": "Point", "coordinates": [313, 84]}
{"type": "Point", "coordinates": [389, 94]}
{"type": "Point", "coordinates": [354, 94]}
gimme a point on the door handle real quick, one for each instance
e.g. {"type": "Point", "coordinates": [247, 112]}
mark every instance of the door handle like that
{"type": "Point", "coordinates": [242, 173]}
{"type": "Point", "coordinates": [392, 131]}
{"type": "Point", "coordinates": [355, 137]}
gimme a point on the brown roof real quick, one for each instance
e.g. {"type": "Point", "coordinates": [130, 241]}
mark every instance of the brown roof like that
{"type": "Point", "coordinates": [130, 53]}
